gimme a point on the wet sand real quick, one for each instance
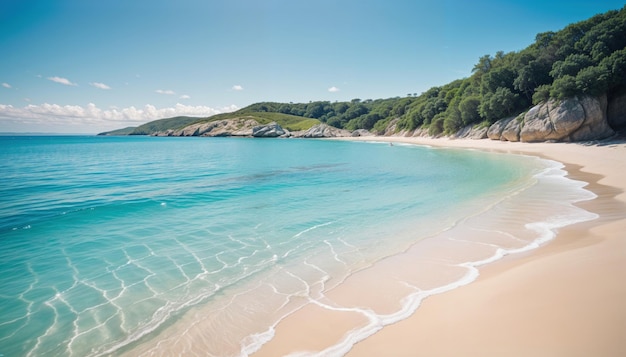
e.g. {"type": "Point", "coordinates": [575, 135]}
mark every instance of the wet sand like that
{"type": "Point", "coordinates": [566, 298]}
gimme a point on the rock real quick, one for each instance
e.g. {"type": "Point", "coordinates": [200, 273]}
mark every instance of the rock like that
{"type": "Point", "coordinates": [512, 130]}
{"type": "Point", "coordinates": [495, 130]}
{"type": "Point", "coordinates": [420, 132]}
{"type": "Point", "coordinates": [472, 132]}
{"type": "Point", "coordinates": [361, 132]}
{"type": "Point", "coordinates": [325, 131]}
{"type": "Point", "coordinates": [596, 125]}
{"type": "Point", "coordinates": [391, 128]}
{"type": "Point", "coordinates": [572, 119]}
{"type": "Point", "coordinates": [616, 112]}
{"type": "Point", "coordinates": [271, 130]}
{"type": "Point", "coordinates": [228, 127]}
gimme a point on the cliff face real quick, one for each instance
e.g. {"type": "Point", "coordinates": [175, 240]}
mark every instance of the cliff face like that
{"type": "Point", "coordinates": [574, 119]}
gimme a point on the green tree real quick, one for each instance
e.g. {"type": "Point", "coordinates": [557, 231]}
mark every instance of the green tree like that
{"type": "Point", "coordinates": [593, 80]}
{"type": "Point", "coordinates": [498, 105]}
{"type": "Point", "coordinates": [570, 66]}
{"type": "Point", "coordinates": [468, 108]}
{"type": "Point", "coordinates": [564, 87]}
{"type": "Point", "coordinates": [542, 93]}
{"type": "Point", "coordinates": [531, 76]}
{"type": "Point", "coordinates": [314, 110]}
{"type": "Point", "coordinates": [615, 65]}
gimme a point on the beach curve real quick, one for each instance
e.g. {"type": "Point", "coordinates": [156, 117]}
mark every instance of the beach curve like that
{"type": "Point", "coordinates": [449, 313]}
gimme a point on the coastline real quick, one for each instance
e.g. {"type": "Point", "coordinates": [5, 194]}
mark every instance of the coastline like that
{"type": "Point", "coordinates": [562, 299]}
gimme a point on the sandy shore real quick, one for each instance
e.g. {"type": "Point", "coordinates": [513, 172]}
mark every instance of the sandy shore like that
{"type": "Point", "coordinates": [567, 298]}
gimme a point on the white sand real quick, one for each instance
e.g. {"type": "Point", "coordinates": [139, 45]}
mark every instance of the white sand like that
{"type": "Point", "coordinates": [567, 298]}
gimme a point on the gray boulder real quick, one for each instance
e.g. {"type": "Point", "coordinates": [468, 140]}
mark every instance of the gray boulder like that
{"type": "Point", "coordinates": [271, 130]}
{"type": "Point", "coordinates": [512, 130]}
{"type": "Point", "coordinates": [471, 132]}
{"type": "Point", "coordinates": [572, 119]}
{"type": "Point", "coordinates": [361, 132]}
{"type": "Point", "coordinates": [495, 130]}
{"type": "Point", "coordinates": [325, 131]}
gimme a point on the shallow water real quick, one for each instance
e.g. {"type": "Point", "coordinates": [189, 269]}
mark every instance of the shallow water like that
{"type": "Point", "coordinates": [110, 244]}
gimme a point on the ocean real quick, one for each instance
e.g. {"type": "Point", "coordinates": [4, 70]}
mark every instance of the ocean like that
{"type": "Point", "coordinates": [134, 245]}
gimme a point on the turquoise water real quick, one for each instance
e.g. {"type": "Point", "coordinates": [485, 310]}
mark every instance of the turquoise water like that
{"type": "Point", "coordinates": [106, 241]}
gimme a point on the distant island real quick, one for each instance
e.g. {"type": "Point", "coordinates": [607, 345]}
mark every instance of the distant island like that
{"type": "Point", "coordinates": [567, 86]}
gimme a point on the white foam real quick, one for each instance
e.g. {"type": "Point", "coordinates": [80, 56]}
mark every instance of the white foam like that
{"type": "Point", "coordinates": [545, 230]}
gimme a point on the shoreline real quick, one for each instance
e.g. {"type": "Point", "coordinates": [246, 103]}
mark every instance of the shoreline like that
{"type": "Point", "coordinates": [549, 301]}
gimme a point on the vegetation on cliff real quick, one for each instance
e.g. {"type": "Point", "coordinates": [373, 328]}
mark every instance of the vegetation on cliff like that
{"type": "Point", "coordinates": [585, 58]}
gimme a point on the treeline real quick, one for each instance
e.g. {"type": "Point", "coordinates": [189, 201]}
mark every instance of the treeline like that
{"type": "Point", "coordinates": [588, 57]}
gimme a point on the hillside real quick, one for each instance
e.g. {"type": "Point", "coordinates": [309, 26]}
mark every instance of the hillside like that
{"type": "Point", "coordinates": [124, 131]}
{"type": "Point", "coordinates": [584, 60]}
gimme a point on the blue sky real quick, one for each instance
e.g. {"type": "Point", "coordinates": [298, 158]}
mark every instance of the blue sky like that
{"type": "Point", "coordinates": [85, 66]}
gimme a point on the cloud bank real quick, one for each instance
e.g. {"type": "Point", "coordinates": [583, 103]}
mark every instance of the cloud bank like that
{"type": "Point", "coordinates": [90, 118]}
{"type": "Point", "coordinates": [62, 80]}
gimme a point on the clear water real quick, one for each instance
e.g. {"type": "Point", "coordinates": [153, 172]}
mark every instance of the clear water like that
{"type": "Point", "coordinates": [105, 241]}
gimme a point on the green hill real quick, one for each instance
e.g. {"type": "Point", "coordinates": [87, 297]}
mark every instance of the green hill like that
{"type": "Point", "coordinates": [287, 121]}
{"type": "Point", "coordinates": [125, 131]}
{"type": "Point", "coordinates": [162, 125]}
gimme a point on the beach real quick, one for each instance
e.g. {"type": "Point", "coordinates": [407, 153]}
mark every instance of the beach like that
{"type": "Point", "coordinates": [565, 298]}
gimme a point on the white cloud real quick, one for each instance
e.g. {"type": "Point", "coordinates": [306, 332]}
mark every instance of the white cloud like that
{"type": "Point", "coordinates": [237, 87]}
{"type": "Point", "coordinates": [168, 92]}
{"type": "Point", "coordinates": [184, 96]}
{"type": "Point", "coordinates": [91, 114]}
{"type": "Point", "coordinates": [62, 80]}
{"type": "Point", "coordinates": [100, 85]}
{"type": "Point", "coordinates": [6, 85]}
{"type": "Point", "coordinates": [333, 89]}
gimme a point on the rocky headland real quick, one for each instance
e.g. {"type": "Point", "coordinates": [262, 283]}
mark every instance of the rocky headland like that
{"type": "Point", "coordinates": [249, 127]}
{"type": "Point", "coordinates": [580, 118]}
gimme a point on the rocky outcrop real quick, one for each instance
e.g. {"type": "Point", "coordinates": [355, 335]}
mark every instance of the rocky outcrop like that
{"type": "Point", "coordinates": [271, 130]}
{"type": "Point", "coordinates": [324, 131]}
{"type": "Point", "coordinates": [507, 129]}
{"type": "Point", "coordinates": [511, 131]}
{"type": "Point", "coordinates": [616, 111]}
{"type": "Point", "coordinates": [574, 119]}
{"type": "Point", "coordinates": [361, 132]}
{"type": "Point", "coordinates": [226, 127]}
{"type": "Point", "coordinates": [251, 128]}
{"type": "Point", "coordinates": [495, 130]}
{"type": "Point", "coordinates": [472, 132]}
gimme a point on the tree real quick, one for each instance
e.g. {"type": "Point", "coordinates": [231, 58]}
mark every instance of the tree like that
{"type": "Point", "coordinates": [542, 93]}
{"type": "Point", "coordinates": [355, 111]}
{"type": "Point", "coordinates": [593, 80]}
{"type": "Point", "coordinates": [468, 108]}
{"type": "Point", "coordinates": [483, 66]}
{"type": "Point", "coordinates": [531, 76]}
{"type": "Point", "coordinates": [563, 87]}
{"type": "Point", "coordinates": [570, 66]}
{"type": "Point", "coordinates": [314, 110]}
{"type": "Point", "coordinates": [615, 65]}
{"type": "Point", "coordinates": [502, 77]}
{"type": "Point", "coordinates": [498, 105]}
